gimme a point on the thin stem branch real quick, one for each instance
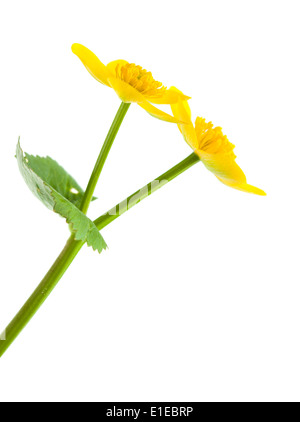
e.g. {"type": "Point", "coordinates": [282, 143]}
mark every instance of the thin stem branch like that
{"type": "Point", "coordinates": [69, 252]}
{"type": "Point", "coordinates": [147, 190]}
{"type": "Point", "coordinates": [72, 248]}
{"type": "Point", "coordinates": [115, 126]}
{"type": "Point", "coordinates": [41, 293]}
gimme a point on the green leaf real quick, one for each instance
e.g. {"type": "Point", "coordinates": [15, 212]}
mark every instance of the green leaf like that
{"type": "Point", "coordinates": [52, 185]}
{"type": "Point", "coordinates": [57, 177]}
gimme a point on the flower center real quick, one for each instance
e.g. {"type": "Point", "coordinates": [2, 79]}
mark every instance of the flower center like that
{"type": "Point", "coordinates": [211, 139]}
{"type": "Point", "coordinates": [139, 79]}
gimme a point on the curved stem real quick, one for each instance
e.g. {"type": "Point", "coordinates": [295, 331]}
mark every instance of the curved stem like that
{"type": "Point", "coordinates": [69, 252]}
{"type": "Point", "coordinates": [115, 126]}
{"type": "Point", "coordinates": [147, 190]}
{"type": "Point", "coordinates": [40, 294]}
{"type": "Point", "coordinates": [72, 248]}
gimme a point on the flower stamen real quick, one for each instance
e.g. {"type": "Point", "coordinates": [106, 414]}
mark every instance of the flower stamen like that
{"type": "Point", "coordinates": [140, 79]}
{"type": "Point", "coordinates": [211, 139]}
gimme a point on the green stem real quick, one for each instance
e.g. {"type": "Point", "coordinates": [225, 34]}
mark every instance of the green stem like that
{"type": "Point", "coordinates": [115, 126]}
{"type": "Point", "coordinates": [147, 190]}
{"type": "Point", "coordinates": [70, 250]}
{"type": "Point", "coordinates": [73, 247]}
{"type": "Point", "coordinates": [41, 293]}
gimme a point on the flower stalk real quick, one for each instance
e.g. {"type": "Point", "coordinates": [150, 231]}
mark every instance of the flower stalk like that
{"type": "Point", "coordinates": [145, 191]}
{"type": "Point", "coordinates": [73, 246]}
{"type": "Point", "coordinates": [57, 189]}
{"type": "Point", "coordinates": [103, 156]}
{"type": "Point", "coordinates": [41, 293]}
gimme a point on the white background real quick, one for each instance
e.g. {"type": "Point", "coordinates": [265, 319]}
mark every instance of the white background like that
{"type": "Point", "coordinates": [197, 298]}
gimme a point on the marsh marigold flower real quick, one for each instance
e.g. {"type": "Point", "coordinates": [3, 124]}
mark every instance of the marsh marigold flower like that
{"type": "Point", "coordinates": [132, 83]}
{"type": "Point", "coordinates": [213, 148]}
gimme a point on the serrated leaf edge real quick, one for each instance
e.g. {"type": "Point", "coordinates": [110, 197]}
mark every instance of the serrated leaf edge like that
{"type": "Point", "coordinates": [51, 191]}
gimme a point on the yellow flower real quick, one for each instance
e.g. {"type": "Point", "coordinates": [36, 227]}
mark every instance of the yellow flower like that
{"type": "Point", "coordinates": [132, 83]}
{"type": "Point", "coordinates": [213, 148]}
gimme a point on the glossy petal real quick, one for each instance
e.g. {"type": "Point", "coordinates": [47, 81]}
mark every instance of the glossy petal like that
{"type": "Point", "coordinates": [125, 92]}
{"type": "Point", "coordinates": [224, 167]}
{"type": "Point", "coordinates": [95, 67]}
{"type": "Point", "coordinates": [244, 187]}
{"type": "Point", "coordinates": [189, 134]}
{"type": "Point", "coordinates": [111, 66]}
{"type": "Point", "coordinates": [155, 112]}
{"type": "Point", "coordinates": [181, 111]}
{"type": "Point", "coordinates": [169, 96]}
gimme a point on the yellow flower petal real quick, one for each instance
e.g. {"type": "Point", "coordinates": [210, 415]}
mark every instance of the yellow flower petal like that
{"type": "Point", "coordinates": [111, 67]}
{"type": "Point", "coordinates": [125, 92]}
{"type": "Point", "coordinates": [189, 134]}
{"type": "Point", "coordinates": [156, 112]}
{"type": "Point", "coordinates": [224, 167]}
{"type": "Point", "coordinates": [95, 67]}
{"type": "Point", "coordinates": [244, 187]}
{"type": "Point", "coordinates": [181, 111]}
{"type": "Point", "coordinates": [168, 96]}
